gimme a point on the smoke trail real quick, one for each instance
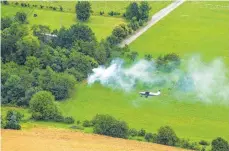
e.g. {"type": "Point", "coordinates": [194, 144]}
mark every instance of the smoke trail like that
{"type": "Point", "coordinates": [208, 82]}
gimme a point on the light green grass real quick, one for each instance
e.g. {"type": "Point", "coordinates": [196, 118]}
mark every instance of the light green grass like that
{"type": "Point", "coordinates": [189, 118]}
{"type": "Point", "coordinates": [194, 27]}
{"type": "Point", "coordinates": [97, 6]}
{"type": "Point", "coordinates": [101, 26]}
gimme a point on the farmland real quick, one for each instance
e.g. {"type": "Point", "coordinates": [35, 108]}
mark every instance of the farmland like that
{"type": "Point", "coordinates": [194, 28]}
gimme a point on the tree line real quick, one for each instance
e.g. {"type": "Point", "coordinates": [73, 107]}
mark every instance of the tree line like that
{"type": "Point", "coordinates": [104, 124]}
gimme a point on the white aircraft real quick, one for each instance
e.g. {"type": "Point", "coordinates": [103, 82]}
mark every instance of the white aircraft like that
{"type": "Point", "coordinates": [146, 94]}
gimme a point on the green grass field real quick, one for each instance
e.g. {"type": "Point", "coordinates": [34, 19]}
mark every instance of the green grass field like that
{"type": "Point", "coordinates": [194, 27]}
{"type": "Point", "coordinates": [97, 6]}
{"type": "Point", "coordinates": [101, 26]}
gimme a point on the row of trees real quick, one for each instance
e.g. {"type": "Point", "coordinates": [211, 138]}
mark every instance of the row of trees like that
{"type": "Point", "coordinates": [110, 126]}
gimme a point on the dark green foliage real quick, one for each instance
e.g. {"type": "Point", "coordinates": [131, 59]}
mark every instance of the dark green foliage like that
{"type": "Point", "coordinates": [166, 136]}
{"type": "Point", "coordinates": [87, 123]}
{"type": "Point", "coordinates": [6, 22]}
{"type": "Point", "coordinates": [141, 132]}
{"type": "Point", "coordinates": [69, 120]}
{"type": "Point", "coordinates": [112, 13]}
{"type": "Point", "coordinates": [113, 40]}
{"type": "Point", "coordinates": [219, 144]}
{"type": "Point", "coordinates": [40, 31]}
{"type": "Point", "coordinates": [168, 63]}
{"type": "Point", "coordinates": [32, 63]}
{"type": "Point", "coordinates": [83, 10]}
{"type": "Point", "coordinates": [61, 8]}
{"type": "Point", "coordinates": [133, 132]}
{"type": "Point", "coordinates": [184, 143]}
{"type": "Point", "coordinates": [149, 137]}
{"type": "Point", "coordinates": [2, 122]}
{"type": "Point", "coordinates": [59, 84]}
{"type": "Point", "coordinates": [132, 55]}
{"type": "Point", "coordinates": [108, 125]}
{"type": "Point", "coordinates": [42, 106]}
{"type": "Point", "coordinates": [148, 57]}
{"type": "Point", "coordinates": [144, 9]}
{"type": "Point", "coordinates": [10, 36]}
{"type": "Point", "coordinates": [21, 17]}
{"type": "Point", "coordinates": [67, 37]}
{"type": "Point", "coordinates": [101, 13]}
{"type": "Point", "coordinates": [203, 142]}
{"type": "Point", "coordinates": [26, 46]}
{"type": "Point", "coordinates": [120, 31]}
{"type": "Point", "coordinates": [5, 2]}
{"type": "Point", "coordinates": [134, 25]}
{"type": "Point", "coordinates": [12, 120]}
{"type": "Point", "coordinates": [12, 90]}
{"type": "Point", "coordinates": [132, 11]}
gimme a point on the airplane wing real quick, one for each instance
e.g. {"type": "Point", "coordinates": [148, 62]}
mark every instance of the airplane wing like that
{"type": "Point", "coordinates": [154, 94]}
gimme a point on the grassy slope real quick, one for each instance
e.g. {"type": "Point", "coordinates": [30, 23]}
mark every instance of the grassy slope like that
{"type": "Point", "coordinates": [101, 26]}
{"type": "Point", "coordinates": [189, 118]}
{"type": "Point", "coordinates": [184, 31]}
{"type": "Point", "coordinates": [195, 27]}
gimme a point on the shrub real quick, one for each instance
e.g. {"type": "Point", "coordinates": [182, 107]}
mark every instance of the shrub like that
{"type": "Point", "coordinates": [203, 142]}
{"type": "Point", "coordinates": [148, 57]}
{"type": "Point", "coordinates": [166, 136]}
{"type": "Point", "coordinates": [149, 137]}
{"type": "Point", "coordinates": [69, 120]}
{"type": "Point", "coordinates": [133, 132]}
{"type": "Point", "coordinates": [61, 8]}
{"type": "Point", "coordinates": [219, 144]}
{"type": "Point", "coordinates": [108, 125]}
{"type": "Point", "coordinates": [141, 132]}
{"type": "Point", "coordinates": [41, 6]}
{"type": "Point", "coordinates": [78, 122]}
{"type": "Point", "coordinates": [21, 17]}
{"type": "Point", "coordinates": [59, 118]}
{"type": "Point", "coordinates": [12, 120]}
{"type": "Point", "coordinates": [87, 123]}
{"type": "Point", "coordinates": [184, 143]}
{"type": "Point", "coordinates": [43, 107]}
{"type": "Point", "coordinates": [168, 63]}
{"type": "Point", "coordinates": [101, 13]}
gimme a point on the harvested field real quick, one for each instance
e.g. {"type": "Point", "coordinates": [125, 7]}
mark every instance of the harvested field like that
{"type": "Point", "coordinates": [43, 139]}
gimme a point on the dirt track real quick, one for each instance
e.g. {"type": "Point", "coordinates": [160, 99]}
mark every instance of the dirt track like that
{"type": "Point", "coordinates": [44, 139]}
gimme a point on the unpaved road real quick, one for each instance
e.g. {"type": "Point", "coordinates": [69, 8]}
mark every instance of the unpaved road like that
{"type": "Point", "coordinates": [155, 18]}
{"type": "Point", "coordinates": [44, 139]}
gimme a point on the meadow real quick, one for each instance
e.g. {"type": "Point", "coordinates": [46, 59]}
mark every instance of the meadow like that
{"type": "Point", "coordinates": [97, 6]}
{"type": "Point", "coordinates": [193, 28]}
{"type": "Point", "coordinates": [101, 26]}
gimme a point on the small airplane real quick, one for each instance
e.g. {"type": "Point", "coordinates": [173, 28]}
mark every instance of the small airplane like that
{"type": "Point", "coordinates": [146, 94]}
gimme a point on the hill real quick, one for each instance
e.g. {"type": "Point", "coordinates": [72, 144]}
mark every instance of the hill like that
{"type": "Point", "coordinates": [57, 140]}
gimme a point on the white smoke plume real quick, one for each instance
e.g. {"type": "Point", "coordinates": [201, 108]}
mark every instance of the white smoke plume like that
{"type": "Point", "coordinates": [209, 82]}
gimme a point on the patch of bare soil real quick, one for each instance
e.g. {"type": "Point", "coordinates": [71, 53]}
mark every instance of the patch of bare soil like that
{"type": "Point", "coordinates": [44, 139]}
